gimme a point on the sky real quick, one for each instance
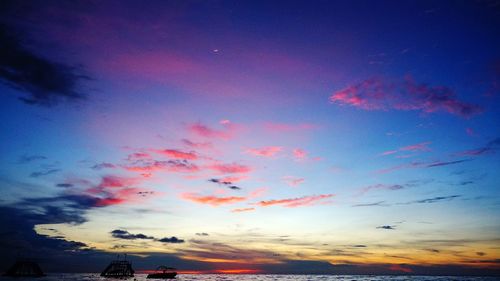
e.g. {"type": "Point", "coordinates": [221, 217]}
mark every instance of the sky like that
{"type": "Point", "coordinates": [339, 137]}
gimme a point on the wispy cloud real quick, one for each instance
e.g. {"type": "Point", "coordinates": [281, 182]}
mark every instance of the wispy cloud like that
{"type": "Point", "coordinates": [297, 202]}
{"type": "Point", "coordinates": [490, 147]}
{"type": "Point", "coordinates": [374, 204]}
{"type": "Point", "coordinates": [197, 145]}
{"type": "Point", "coordinates": [384, 94]}
{"type": "Point", "coordinates": [423, 146]}
{"type": "Point", "coordinates": [44, 173]}
{"type": "Point", "coordinates": [293, 181]}
{"type": "Point", "coordinates": [415, 165]}
{"type": "Point", "coordinates": [433, 199]}
{"type": "Point", "coordinates": [242, 210]}
{"type": "Point", "coordinates": [30, 158]}
{"type": "Point", "coordinates": [103, 165]}
{"type": "Point", "coordinates": [227, 132]}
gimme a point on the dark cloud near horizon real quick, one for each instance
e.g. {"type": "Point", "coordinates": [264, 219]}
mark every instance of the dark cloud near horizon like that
{"type": "Point", "coordinates": [172, 239]}
{"type": "Point", "coordinates": [387, 227]}
{"type": "Point", "coordinates": [65, 185]}
{"type": "Point", "coordinates": [44, 82]}
{"type": "Point", "coordinates": [202, 234]}
{"type": "Point", "coordinates": [123, 234]}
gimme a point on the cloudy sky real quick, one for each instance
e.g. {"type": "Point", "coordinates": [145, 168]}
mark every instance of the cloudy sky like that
{"type": "Point", "coordinates": [251, 136]}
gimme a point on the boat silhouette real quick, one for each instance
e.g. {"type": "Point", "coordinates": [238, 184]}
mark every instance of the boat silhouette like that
{"type": "Point", "coordinates": [118, 269]}
{"type": "Point", "coordinates": [24, 268]}
{"type": "Point", "coordinates": [163, 272]}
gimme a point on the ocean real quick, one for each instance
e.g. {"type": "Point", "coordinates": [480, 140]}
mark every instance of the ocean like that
{"type": "Point", "coordinates": [242, 277]}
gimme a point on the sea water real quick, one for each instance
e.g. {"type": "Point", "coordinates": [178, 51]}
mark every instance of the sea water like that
{"type": "Point", "coordinates": [242, 277]}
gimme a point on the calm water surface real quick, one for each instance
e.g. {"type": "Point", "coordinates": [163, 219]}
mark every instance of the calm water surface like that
{"type": "Point", "coordinates": [228, 277]}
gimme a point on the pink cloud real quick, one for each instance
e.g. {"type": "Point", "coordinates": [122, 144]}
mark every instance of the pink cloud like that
{"type": "Point", "coordinates": [424, 146]}
{"type": "Point", "coordinates": [299, 154]}
{"type": "Point", "coordinates": [268, 151]}
{"type": "Point", "coordinates": [379, 94]}
{"type": "Point", "coordinates": [212, 200]}
{"type": "Point", "coordinates": [293, 181]}
{"type": "Point", "coordinates": [182, 166]}
{"type": "Point", "coordinates": [177, 154]}
{"type": "Point", "coordinates": [389, 152]}
{"type": "Point", "coordinates": [476, 152]}
{"type": "Point", "coordinates": [297, 202]}
{"type": "Point", "coordinates": [138, 156]}
{"type": "Point", "coordinates": [201, 130]}
{"type": "Point", "coordinates": [116, 181]}
{"type": "Point", "coordinates": [242, 210]}
{"type": "Point", "coordinates": [123, 195]}
{"type": "Point", "coordinates": [232, 168]}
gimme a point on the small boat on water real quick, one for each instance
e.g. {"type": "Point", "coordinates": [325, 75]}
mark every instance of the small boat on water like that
{"type": "Point", "coordinates": [24, 268]}
{"type": "Point", "coordinates": [163, 272]}
{"type": "Point", "coordinates": [118, 269]}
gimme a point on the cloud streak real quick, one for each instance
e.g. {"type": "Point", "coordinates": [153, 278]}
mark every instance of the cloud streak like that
{"type": "Point", "coordinates": [297, 202]}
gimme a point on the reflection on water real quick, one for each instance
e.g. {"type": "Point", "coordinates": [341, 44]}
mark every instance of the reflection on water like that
{"type": "Point", "coordinates": [228, 277]}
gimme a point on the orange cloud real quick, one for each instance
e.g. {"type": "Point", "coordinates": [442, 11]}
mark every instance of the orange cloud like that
{"type": "Point", "coordinates": [212, 200]}
{"type": "Point", "coordinates": [242, 210]}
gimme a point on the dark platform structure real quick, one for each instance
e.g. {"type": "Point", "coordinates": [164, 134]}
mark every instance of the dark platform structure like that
{"type": "Point", "coordinates": [24, 268]}
{"type": "Point", "coordinates": [118, 269]}
{"type": "Point", "coordinates": [163, 272]}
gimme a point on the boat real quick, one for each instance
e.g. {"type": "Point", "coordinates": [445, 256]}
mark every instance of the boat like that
{"type": "Point", "coordinates": [24, 268]}
{"type": "Point", "coordinates": [163, 272]}
{"type": "Point", "coordinates": [118, 269]}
